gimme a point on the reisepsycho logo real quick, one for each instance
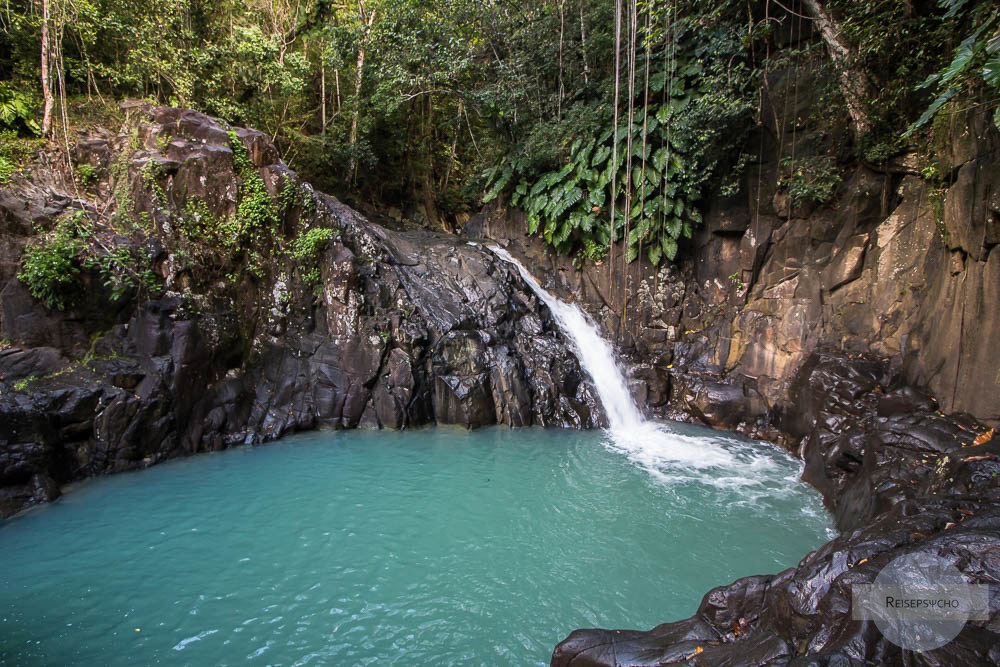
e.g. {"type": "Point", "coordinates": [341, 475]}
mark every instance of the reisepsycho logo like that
{"type": "Point", "coordinates": [920, 601]}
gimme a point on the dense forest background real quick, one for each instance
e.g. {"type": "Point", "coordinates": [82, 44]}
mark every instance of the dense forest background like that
{"type": "Point", "coordinates": [607, 122]}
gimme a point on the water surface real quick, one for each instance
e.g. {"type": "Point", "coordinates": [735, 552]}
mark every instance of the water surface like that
{"type": "Point", "coordinates": [427, 547]}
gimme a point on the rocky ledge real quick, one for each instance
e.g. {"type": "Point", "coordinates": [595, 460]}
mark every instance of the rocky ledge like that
{"type": "Point", "coordinates": [266, 308]}
{"type": "Point", "coordinates": [900, 477]}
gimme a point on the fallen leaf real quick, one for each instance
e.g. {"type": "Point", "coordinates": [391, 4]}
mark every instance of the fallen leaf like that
{"type": "Point", "coordinates": [966, 512]}
{"type": "Point", "coordinates": [861, 562]}
{"type": "Point", "coordinates": [984, 457]}
{"type": "Point", "coordinates": [698, 650]}
{"type": "Point", "coordinates": [983, 438]}
{"type": "Point", "coordinates": [918, 536]}
{"type": "Point", "coordinates": [950, 524]}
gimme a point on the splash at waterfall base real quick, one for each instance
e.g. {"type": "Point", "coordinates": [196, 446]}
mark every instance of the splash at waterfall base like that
{"type": "Point", "coordinates": [900, 478]}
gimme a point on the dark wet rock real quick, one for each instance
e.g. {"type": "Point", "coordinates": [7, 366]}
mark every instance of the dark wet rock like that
{"type": "Point", "coordinates": [900, 478]}
{"type": "Point", "coordinates": [405, 328]}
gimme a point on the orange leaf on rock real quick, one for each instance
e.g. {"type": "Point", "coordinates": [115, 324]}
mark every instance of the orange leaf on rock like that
{"type": "Point", "coordinates": [983, 438]}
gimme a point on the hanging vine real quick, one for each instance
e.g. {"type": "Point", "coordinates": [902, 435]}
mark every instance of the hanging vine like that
{"type": "Point", "coordinates": [612, 186]}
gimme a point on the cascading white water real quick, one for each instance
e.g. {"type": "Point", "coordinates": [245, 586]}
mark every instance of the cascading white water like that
{"type": "Point", "coordinates": [596, 356]}
{"type": "Point", "coordinates": [656, 447]}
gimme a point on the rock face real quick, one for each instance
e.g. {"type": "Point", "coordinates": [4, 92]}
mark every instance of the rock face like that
{"type": "Point", "coordinates": [900, 478]}
{"type": "Point", "coordinates": [893, 266]}
{"type": "Point", "coordinates": [240, 345]}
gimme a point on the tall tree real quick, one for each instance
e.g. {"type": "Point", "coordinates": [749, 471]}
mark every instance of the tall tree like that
{"type": "Point", "coordinates": [368, 20]}
{"type": "Point", "coordinates": [853, 82]}
{"type": "Point", "coordinates": [49, 100]}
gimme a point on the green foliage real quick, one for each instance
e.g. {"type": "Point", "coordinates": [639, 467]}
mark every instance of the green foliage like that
{"type": "Point", "coordinates": [49, 266]}
{"type": "Point", "coordinates": [307, 249]}
{"type": "Point", "coordinates": [15, 152]}
{"type": "Point", "coordinates": [692, 122]}
{"type": "Point", "coordinates": [810, 179]}
{"type": "Point", "coordinates": [115, 266]}
{"type": "Point", "coordinates": [17, 109]}
{"type": "Point", "coordinates": [256, 214]}
{"type": "Point", "coordinates": [86, 174]}
{"type": "Point", "coordinates": [52, 263]}
{"type": "Point", "coordinates": [291, 195]}
{"type": "Point", "coordinates": [7, 170]}
{"type": "Point", "coordinates": [976, 60]}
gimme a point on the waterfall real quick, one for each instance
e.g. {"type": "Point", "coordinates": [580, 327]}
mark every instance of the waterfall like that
{"type": "Point", "coordinates": [666, 450]}
{"type": "Point", "coordinates": [594, 353]}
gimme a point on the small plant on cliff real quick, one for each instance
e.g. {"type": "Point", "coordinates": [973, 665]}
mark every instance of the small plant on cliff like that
{"type": "Point", "coordinates": [49, 267]}
{"type": "Point", "coordinates": [86, 174]}
{"type": "Point", "coordinates": [7, 170]}
{"type": "Point", "coordinates": [255, 212]}
{"type": "Point", "coordinates": [52, 263]}
{"type": "Point", "coordinates": [810, 179]}
{"type": "Point", "coordinates": [291, 195]}
{"type": "Point", "coordinates": [22, 385]}
{"type": "Point", "coordinates": [936, 189]}
{"type": "Point", "coordinates": [306, 251]}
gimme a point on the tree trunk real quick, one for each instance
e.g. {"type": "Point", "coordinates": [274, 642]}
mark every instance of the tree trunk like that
{"type": "Point", "coordinates": [336, 82]}
{"type": "Point", "coordinates": [454, 150]}
{"type": "Point", "coordinates": [46, 85]}
{"type": "Point", "coordinates": [358, 75]}
{"type": "Point", "coordinates": [434, 219]}
{"type": "Point", "coordinates": [853, 83]}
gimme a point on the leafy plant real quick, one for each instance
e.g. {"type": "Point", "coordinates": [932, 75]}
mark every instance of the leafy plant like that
{"type": "Point", "coordinates": [652, 177]}
{"type": "Point", "coordinates": [17, 109]}
{"type": "Point", "coordinates": [52, 263]}
{"type": "Point", "coordinates": [307, 249]}
{"type": "Point", "coordinates": [255, 212]}
{"type": "Point", "coordinates": [49, 267]}
{"type": "Point", "coordinates": [86, 174]}
{"type": "Point", "coordinates": [7, 170]}
{"type": "Point", "coordinates": [977, 57]}
{"type": "Point", "coordinates": [810, 179]}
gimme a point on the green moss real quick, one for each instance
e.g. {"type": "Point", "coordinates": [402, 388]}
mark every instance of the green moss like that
{"type": "Point", "coordinates": [22, 384]}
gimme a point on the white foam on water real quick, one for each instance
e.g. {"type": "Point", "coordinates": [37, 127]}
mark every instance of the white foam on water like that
{"type": "Point", "coordinates": [670, 456]}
